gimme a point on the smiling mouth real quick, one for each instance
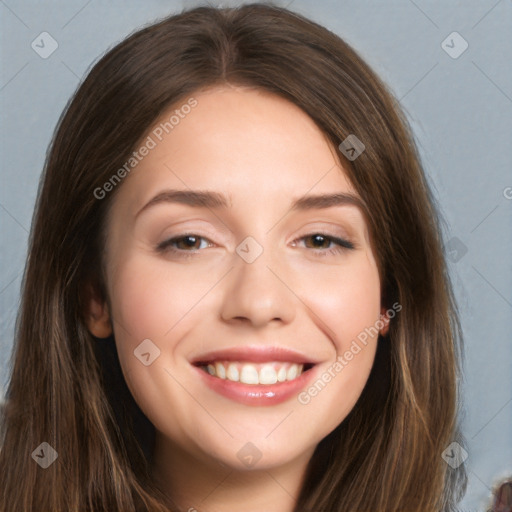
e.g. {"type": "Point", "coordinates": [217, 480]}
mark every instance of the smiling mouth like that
{"type": "Point", "coordinates": [254, 373]}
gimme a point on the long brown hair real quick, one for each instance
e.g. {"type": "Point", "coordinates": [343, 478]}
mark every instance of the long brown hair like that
{"type": "Point", "coordinates": [387, 454]}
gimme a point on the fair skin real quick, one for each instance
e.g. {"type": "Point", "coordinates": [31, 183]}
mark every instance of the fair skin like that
{"type": "Point", "coordinates": [262, 153]}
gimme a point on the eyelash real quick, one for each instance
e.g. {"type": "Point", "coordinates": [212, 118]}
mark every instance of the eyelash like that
{"type": "Point", "coordinates": [342, 245]}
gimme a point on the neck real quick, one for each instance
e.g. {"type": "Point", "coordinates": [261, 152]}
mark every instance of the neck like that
{"type": "Point", "coordinates": [203, 484]}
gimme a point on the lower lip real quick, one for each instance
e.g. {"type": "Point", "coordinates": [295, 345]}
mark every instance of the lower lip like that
{"type": "Point", "coordinates": [257, 394]}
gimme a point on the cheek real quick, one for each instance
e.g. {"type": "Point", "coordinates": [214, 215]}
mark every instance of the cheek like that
{"type": "Point", "coordinates": [347, 300]}
{"type": "Point", "coordinates": [347, 307]}
{"type": "Point", "coordinates": [153, 300]}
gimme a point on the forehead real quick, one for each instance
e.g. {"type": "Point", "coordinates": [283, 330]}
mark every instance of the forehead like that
{"type": "Point", "coordinates": [244, 141]}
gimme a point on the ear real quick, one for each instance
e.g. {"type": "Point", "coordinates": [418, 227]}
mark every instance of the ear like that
{"type": "Point", "coordinates": [385, 319]}
{"type": "Point", "coordinates": [97, 314]}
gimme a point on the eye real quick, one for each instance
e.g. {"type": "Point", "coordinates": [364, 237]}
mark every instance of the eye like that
{"type": "Point", "coordinates": [319, 239]}
{"type": "Point", "coordinates": [186, 245]}
{"type": "Point", "coordinates": [191, 240]}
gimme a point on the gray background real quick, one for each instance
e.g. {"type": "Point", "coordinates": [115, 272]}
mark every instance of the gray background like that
{"type": "Point", "coordinates": [460, 110]}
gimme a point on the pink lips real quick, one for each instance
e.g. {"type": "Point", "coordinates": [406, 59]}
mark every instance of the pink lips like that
{"type": "Point", "coordinates": [255, 354]}
{"type": "Point", "coordinates": [255, 394]}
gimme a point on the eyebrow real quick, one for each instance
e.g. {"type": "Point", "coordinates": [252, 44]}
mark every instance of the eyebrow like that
{"type": "Point", "coordinates": [216, 200]}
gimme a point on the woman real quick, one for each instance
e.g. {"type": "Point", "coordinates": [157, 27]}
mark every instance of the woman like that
{"type": "Point", "coordinates": [257, 371]}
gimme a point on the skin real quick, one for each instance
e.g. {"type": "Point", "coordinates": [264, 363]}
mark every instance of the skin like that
{"type": "Point", "coordinates": [263, 152]}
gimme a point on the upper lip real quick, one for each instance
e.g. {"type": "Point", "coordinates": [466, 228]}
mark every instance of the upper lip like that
{"type": "Point", "coordinates": [256, 354]}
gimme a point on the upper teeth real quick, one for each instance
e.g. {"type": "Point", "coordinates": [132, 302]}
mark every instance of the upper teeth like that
{"type": "Point", "coordinates": [253, 373]}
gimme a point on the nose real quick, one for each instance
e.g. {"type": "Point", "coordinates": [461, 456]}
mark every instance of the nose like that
{"type": "Point", "coordinates": [258, 293]}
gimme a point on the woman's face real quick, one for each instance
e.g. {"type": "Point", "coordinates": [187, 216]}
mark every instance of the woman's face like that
{"type": "Point", "coordinates": [250, 282]}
